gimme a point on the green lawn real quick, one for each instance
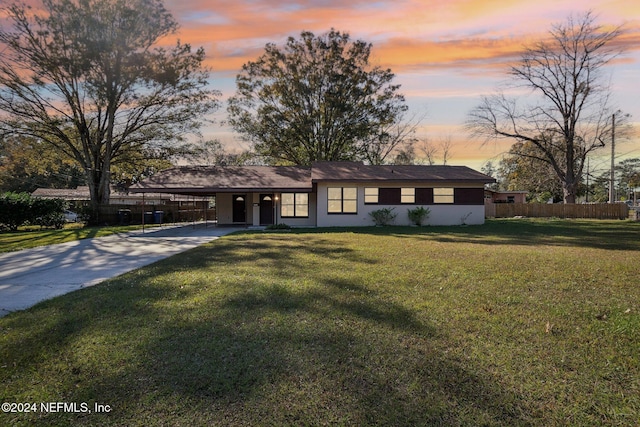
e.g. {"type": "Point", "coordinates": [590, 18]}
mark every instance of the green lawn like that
{"type": "Point", "coordinates": [517, 322]}
{"type": "Point", "coordinates": [31, 237]}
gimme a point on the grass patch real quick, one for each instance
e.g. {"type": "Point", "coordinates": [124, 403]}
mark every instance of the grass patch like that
{"type": "Point", "coordinates": [517, 322]}
{"type": "Point", "coordinates": [31, 237]}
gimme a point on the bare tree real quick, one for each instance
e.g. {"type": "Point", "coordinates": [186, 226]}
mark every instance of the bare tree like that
{"type": "Point", "coordinates": [434, 151]}
{"type": "Point", "coordinates": [429, 150]}
{"type": "Point", "coordinates": [568, 115]}
{"type": "Point", "coordinates": [446, 145]}
{"type": "Point", "coordinates": [396, 138]}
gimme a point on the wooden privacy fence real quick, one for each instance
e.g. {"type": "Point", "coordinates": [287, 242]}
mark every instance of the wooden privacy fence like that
{"type": "Point", "coordinates": [539, 210]}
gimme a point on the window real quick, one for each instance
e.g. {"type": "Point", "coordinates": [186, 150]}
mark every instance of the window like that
{"type": "Point", "coordinates": [443, 195]}
{"type": "Point", "coordinates": [408, 195]}
{"type": "Point", "coordinates": [371, 195]}
{"type": "Point", "coordinates": [294, 205]}
{"type": "Point", "coordinates": [342, 200]}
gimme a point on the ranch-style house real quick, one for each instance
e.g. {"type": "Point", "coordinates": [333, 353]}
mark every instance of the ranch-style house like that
{"type": "Point", "coordinates": [328, 194]}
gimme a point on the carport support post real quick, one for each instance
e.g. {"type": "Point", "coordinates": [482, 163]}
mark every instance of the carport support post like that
{"type": "Point", "coordinates": [143, 212]}
{"type": "Point", "coordinates": [204, 211]}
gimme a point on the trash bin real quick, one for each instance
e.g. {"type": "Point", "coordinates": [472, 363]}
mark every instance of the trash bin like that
{"type": "Point", "coordinates": [158, 216]}
{"type": "Point", "coordinates": [148, 217]}
{"type": "Point", "coordinates": [124, 216]}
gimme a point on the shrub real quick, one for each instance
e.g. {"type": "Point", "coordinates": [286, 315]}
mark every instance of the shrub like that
{"type": "Point", "coordinates": [17, 209]}
{"type": "Point", "coordinates": [384, 216]}
{"type": "Point", "coordinates": [48, 212]}
{"type": "Point", "coordinates": [418, 215]}
{"type": "Point", "coordinates": [281, 226]}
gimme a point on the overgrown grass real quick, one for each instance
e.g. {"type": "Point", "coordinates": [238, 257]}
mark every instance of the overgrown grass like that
{"type": "Point", "coordinates": [31, 237]}
{"type": "Point", "coordinates": [513, 323]}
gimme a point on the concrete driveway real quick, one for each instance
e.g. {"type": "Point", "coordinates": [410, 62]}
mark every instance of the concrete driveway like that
{"type": "Point", "coordinates": [33, 275]}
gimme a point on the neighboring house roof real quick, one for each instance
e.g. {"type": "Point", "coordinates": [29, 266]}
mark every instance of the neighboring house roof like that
{"type": "Point", "coordinates": [506, 191]}
{"type": "Point", "coordinates": [225, 179]}
{"type": "Point", "coordinates": [220, 179]}
{"type": "Point", "coordinates": [357, 171]}
{"type": "Point", "coordinates": [80, 193]}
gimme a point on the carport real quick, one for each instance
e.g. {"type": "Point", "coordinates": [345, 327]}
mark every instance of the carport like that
{"type": "Point", "coordinates": [244, 195]}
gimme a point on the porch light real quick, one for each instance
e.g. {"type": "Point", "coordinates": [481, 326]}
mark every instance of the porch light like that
{"type": "Point", "coordinates": [275, 208]}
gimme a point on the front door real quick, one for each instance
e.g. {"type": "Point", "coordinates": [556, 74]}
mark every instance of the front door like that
{"type": "Point", "coordinates": [266, 209]}
{"type": "Point", "coordinates": [239, 208]}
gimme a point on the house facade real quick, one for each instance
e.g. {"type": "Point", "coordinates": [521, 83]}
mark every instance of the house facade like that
{"type": "Point", "coordinates": [328, 194]}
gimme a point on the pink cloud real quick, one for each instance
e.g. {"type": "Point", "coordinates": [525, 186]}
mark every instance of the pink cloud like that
{"type": "Point", "coordinates": [407, 34]}
{"type": "Point", "coordinates": [412, 37]}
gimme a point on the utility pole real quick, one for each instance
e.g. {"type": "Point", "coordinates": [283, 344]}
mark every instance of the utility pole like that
{"type": "Point", "coordinates": [587, 198]}
{"type": "Point", "coordinates": [612, 192]}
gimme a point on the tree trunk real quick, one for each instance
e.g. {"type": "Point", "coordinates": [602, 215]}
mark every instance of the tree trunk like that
{"type": "Point", "coordinates": [99, 193]}
{"type": "Point", "coordinates": [570, 190]}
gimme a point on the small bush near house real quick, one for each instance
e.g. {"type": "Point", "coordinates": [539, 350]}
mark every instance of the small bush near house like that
{"type": "Point", "coordinates": [281, 226]}
{"type": "Point", "coordinates": [418, 215]}
{"type": "Point", "coordinates": [384, 216]}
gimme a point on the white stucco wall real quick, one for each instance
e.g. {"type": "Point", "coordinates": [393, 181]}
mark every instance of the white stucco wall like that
{"type": "Point", "coordinates": [444, 214]}
{"type": "Point", "coordinates": [441, 214]}
{"type": "Point", "coordinates": [224, 208]}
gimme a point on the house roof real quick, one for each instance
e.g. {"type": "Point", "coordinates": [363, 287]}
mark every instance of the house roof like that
{"type": "Point", "coordinates": [225, 179]}
{"type": "Point", "coordinates": [357, 171]}
{"type": "Point", "coordinates": [221, 179]}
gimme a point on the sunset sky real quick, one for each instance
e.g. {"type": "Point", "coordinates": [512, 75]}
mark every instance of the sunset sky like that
{"type": "Point", "coordinates": [445, 54]}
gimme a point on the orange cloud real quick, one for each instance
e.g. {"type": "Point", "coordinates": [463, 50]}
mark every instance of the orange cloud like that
{"type": "Point", "coordinates": [425, 42]}
{"type": "Point", "coordinates": [405, 54]}
{"type": "Point", "coordinates": [408, 35]}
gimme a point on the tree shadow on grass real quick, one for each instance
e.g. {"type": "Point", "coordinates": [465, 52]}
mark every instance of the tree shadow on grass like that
{"type": "Point", "coordinates": [18, 240]}
{"type": "Point", "coordinates": [266, 352]}
{"type": "Point", "coordinates": [609, 235]}
{"type": "Point", "coordinates": [340, 353]}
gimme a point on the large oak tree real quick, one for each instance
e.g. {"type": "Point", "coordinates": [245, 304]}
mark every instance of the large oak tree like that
{"type": "Point", "coordinates": [567, 112]}
{"type": "Point", "coordinates": [319, 98]}
{"type": "Point", "coordinates": [89, 78]}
